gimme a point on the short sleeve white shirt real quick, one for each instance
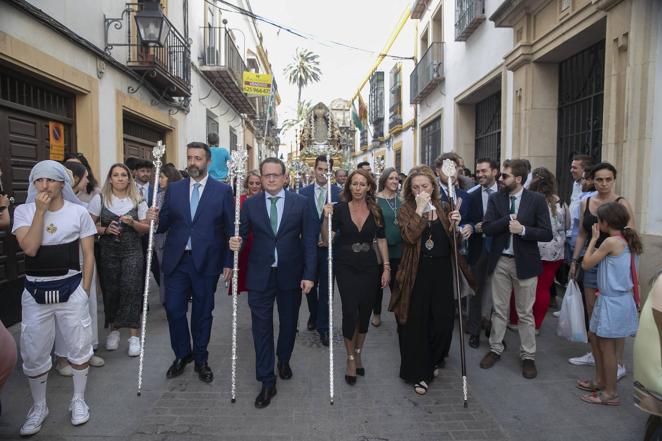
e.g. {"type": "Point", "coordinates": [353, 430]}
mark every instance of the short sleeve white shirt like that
{"type": "Point", "coordinates": [117, 206]}
{"type": "Point", "coordinates": [69, 223]}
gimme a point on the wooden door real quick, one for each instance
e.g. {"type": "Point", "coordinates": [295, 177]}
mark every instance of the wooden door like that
{"type": "Point", "coordinates": [23, 142]}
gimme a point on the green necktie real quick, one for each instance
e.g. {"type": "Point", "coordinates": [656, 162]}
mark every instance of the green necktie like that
{"type": "Point", "coordinates": [512, 204]}
{"type": "Point", "coordinates": [273, 213]}
{"type": "Point", "coordinates": [512, 211]}
{"type": "Point", "coordinates": [321, 199]}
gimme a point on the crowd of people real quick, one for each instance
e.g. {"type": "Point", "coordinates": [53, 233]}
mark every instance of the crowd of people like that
{"type": "Point", "coordinates": [506, 232]}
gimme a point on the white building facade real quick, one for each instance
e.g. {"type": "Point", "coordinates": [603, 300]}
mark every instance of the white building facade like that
{"type": "Point", "coordinates": [85, 69]}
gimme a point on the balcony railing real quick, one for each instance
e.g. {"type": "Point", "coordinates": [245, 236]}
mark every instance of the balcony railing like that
{"type": "Point", "coordinates": [167, 67]}
{"type": "Point", "coordinates": [429, 72]}
{"type": "Point", "coordinates": [222, 52]}
{"type": "Point", "coordinates": [224, 67]}
{"type": "Point", "coordinates": [469, 14]}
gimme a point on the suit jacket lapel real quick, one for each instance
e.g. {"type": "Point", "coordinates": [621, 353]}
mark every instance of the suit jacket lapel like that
{"type": "Point", "coordinates": [187, 198]}
{"type": "Point", "coordinates": [203, 197]}
{"type": "Point", "coordinates": [263, 212]}
{"type": "Point", "coordinates": [287, 206]}
{"type": "Point", "coordinates": [523, 203]}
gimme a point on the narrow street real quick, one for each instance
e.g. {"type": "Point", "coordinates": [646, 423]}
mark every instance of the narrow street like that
{"type": "Point", "coordinates": [502, 406]}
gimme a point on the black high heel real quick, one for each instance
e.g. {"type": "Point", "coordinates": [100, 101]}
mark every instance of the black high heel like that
{"type": "Point", "coordinates": [359, 370]}
{"type": "Point", "coordinates": [350, 379]}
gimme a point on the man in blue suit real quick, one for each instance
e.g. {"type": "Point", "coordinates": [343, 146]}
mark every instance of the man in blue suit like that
{"type": "Point", "coordinates": [281, 266]}
{"type": "Point", "coordinates": [198, 215]}
{"type": "Point", "coordinates": [480, 304]}
{"type": "Point", "coordinates": [318, 298]}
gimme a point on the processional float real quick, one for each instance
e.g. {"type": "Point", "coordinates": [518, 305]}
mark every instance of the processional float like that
{"type": "Point", "coordinates": [157, 152]}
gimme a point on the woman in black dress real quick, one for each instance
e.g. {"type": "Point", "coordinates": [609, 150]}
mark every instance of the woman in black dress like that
{"type": "Point", "coordinates": [422, 299]}
{"type": "Point", "coordinates": [358, 221]}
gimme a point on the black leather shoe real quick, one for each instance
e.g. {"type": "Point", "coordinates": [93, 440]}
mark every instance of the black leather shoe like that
{"type": "Point", "coordinates": [265, 396]}
{"type": "Point", "coordinates": [474, 340]}
{"type": "Point", "coordinates": [284, 370]}
{"type": "Point", "coordinates": [324, 338]}
{"type": "Point", "coordinates": [204, 372]}
{"type": "Point", "coordinates": [311, 324]}
{"type": "Point", "coordinates": [177, 367]}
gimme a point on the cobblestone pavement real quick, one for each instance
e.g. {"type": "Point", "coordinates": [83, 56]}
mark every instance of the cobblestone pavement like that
{"type": "Point", "coordinates": [380, 407]}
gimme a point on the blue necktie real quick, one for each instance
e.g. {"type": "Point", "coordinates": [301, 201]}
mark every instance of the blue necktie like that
{"type": "Point", "coordinates": [195, 198]}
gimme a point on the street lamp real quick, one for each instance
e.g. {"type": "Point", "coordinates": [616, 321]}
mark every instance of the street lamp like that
{"type": "Point", "coordinates": [152, 25]}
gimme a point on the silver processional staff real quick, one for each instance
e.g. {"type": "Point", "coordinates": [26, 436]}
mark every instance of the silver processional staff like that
{"type": "Point", "coordinates": [158, 151]}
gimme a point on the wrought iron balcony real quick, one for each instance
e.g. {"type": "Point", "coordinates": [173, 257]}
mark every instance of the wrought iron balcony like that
{"type": "Point", "coordinates": [166, 66]}
{"type": "Point", "coordinates": [469, 14]}
{"type": "Point", "coordinates": [429, 72]}
{"type": "Point", "coordinates": [395, 109]}
{"type": "Point", "coordinates": [224, 67]}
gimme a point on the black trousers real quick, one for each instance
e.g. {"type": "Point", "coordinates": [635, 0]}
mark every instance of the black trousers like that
{"type": "Point", "coordinates": [357, 295]}
{"type": "Point", "coordinates": [426, 337]}
{"type": "Point", "coordinates": [479, 271]}
{"type": "Point", "coordinates": [377, 307]}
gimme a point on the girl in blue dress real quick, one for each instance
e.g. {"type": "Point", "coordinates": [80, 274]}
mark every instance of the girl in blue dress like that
{"type": "Point", "coordinates": [615, 314]}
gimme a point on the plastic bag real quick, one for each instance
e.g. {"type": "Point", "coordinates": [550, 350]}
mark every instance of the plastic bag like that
{"type": "Point", "coordinates": [571, 320]}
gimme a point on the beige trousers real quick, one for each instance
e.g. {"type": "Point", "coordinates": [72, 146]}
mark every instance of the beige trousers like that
{"type": "Point", "coordinates": [504, 281]}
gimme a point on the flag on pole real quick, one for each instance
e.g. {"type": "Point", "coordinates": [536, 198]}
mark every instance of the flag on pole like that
{"type": "Point", "coordinates": [355, 118]}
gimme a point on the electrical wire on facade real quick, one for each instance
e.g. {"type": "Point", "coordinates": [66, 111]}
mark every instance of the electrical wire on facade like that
{"type": "Point", "coordinates": [300, 34]}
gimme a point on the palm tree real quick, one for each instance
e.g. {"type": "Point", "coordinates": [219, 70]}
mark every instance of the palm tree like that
{"type": "Point", "coordinates": [303, 70]}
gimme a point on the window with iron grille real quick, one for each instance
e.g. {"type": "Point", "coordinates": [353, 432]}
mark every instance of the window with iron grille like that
{"type": "Point", "coordinates": [581, 90]}
{"type": "Point", "coordinates": [212, 123]}
{"type": "Point", "coordinates": [488, 128]}
{"type": "Point", "coordinates": [395, 98]}
{"type": "Point", "coordinates": [398, 160]}
{"type": "Point", "coordinates": [233, 139]}
{"type": "Point", "coordinates": [431, 142]}
{"type": "Point", "coordinates": [376, 104]}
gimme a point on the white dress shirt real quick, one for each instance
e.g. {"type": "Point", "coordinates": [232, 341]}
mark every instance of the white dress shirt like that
{"type": "Point", "coordinates": [518, 200]}
{"type": "Point", "coordinates": [280, 206]}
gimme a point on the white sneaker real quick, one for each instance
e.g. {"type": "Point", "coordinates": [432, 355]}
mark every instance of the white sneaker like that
{"type": "Point", "coordinates": [36, 416]}
{"type": "Point", "coordinates": [585, 360]}
{"type": "Point", "coordinates": [96, 361]}
{"type": "Point", "coordinates": [621, 372]}
{"type": "Point", "coordinates": [65, 371]}
{"type": "Point", "coordinates": [80, 412]}
{"type": "Point", "coordinates": [134, 346]}
{"type": "Point", "coordinates": [556, 314]}
{"type": "Point", "coordinates": [113, 340]}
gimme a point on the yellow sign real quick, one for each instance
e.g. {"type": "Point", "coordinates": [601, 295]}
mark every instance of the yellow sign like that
{"type": "Point", "coordinates": [257, 84]}
{"type": "Point", "coordinates": [56, 137]}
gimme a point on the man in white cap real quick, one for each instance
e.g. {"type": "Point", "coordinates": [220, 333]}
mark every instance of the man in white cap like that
{"type": "Point", "coordinates": [52, 228]}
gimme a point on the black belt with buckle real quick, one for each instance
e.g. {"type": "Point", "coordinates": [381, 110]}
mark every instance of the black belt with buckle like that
{"type": "Point", "coordinates": [360, 247]}
{"type": "Point", "coordinates": [188, 252]}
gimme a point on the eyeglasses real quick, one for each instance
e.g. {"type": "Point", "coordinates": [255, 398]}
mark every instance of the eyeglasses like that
{"type": "Point", "coordinates": [505, 175]}
{"type": "Point", "coordinates": [272, 176]}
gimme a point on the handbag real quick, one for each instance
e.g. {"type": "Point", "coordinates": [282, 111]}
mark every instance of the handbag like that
{"type": "Point", "coordinates": [571, 325]}
{"type": "Point", "coordinates": [53, 291]}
